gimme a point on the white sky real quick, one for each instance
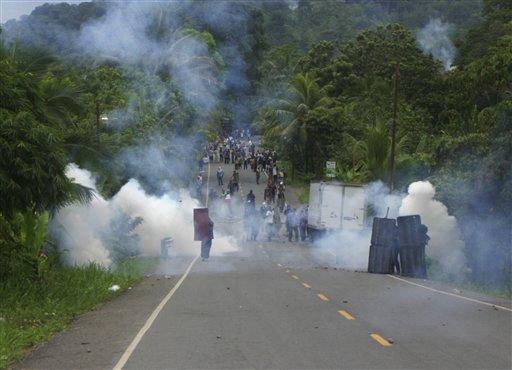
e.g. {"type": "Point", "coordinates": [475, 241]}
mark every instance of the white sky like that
{"type": "Point", "coordinates": [15, 8]}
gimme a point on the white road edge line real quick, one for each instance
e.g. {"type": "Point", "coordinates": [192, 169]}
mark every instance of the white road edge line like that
{"type": "Point", "coordinates": [135, 342]}
{"type": "Point", "coordinates": [452, 294]}
{"type": "Point", "coordinates": [126, 355]}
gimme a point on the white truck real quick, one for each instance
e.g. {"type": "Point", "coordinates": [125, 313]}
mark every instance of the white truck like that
{"type": "Point", "coordinates": [335, 205]}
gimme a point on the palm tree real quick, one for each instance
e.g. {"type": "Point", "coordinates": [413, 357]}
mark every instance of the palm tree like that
{"type": "Point", "coordinates": [370, 155]}
{"type": "Point", "coordinates": [288, 120]}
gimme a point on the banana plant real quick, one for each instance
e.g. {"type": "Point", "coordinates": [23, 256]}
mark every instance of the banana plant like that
{"type": "Point", "coordinates": [34, 236]}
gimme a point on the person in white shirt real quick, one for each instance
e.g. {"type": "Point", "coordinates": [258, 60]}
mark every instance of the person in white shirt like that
{"type": "Point", "coordinates": [269, 223]}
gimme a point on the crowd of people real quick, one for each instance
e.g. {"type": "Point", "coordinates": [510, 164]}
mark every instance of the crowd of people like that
{"type": "Point", "coordinates": [239, 150]}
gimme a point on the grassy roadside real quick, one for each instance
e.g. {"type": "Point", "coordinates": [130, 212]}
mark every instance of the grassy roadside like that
{"type": "Point", "coordinates": [30, 312]}
{"type": "Point", "coordinates": [435, 273]}
{"type": "Point", "coordinates": [302, 190]}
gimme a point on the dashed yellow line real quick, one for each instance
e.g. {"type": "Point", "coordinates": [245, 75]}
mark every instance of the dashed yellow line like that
{"type": "Point", "coordinates": [306, 285]}
{"type": "Point", "coordinates": [323, 297]}
{"type": "Point", "coordinates": [295, 277]}
{"type": "Point", "coordinates": [346, 315]}
{"type": "Point", "coordinates": [383, 342]}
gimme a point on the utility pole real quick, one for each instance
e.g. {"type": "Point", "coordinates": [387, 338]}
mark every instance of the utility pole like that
{"type": "Point", "coordinates": [393, 129]}
{"type": "Point", "coordinates": [97, 103]}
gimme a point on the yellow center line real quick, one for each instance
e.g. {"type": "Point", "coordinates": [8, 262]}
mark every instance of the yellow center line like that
{"type": "Point", "coordinates": [380, 340]}
{"type": "Point", "coordinates": [323, 297]}
{"type": "Point", "coordinates": [346, 315]}
{"type": "Point", "coordinates": [306, 285]}
{"type": "Point", "coordinates": [295, 277]}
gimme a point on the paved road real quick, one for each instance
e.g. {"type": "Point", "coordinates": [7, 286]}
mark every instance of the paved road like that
{"type": "Point", "coordinates": [271, 305]}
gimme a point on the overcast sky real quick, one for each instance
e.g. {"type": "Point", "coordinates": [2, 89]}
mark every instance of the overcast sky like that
{"type": "Point", "coordinates": [15, 8]}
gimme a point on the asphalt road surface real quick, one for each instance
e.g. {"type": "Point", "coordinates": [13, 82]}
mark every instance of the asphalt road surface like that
{"type": "Point", "coordinates": [276, 305]}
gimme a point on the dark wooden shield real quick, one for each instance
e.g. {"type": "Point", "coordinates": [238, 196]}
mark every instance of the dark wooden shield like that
{"type": "Point", "coordinates": [201, 224]}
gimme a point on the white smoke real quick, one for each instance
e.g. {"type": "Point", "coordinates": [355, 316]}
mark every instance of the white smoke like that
{"type": "Point", "coordinates": [82, 226]}
{"type": "Point", "coordinates": [350, 249]}
{"type": "Point", "coordinates": [434, 39]}
{"type": "Point", "coordinates": [445, 245]}
{"type": "Point", "coordinates": [147, 36]}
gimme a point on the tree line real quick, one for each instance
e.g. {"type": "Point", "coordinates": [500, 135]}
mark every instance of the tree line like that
{"type": "Point", "coordinates": [335, 102]}
{"type": "Point", "coordinates": [316, 78]}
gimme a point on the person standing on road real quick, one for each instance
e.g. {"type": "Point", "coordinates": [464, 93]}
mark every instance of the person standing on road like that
{"type": "Point", "coordinates": [292, 224]}
{"type": "Point", "coordinates": [236, 180]}
{"type": "Point", "coordinates": [258, 174]}
{"type": "Point", "coordinates": [206, 243]}
{"type": "Point", "coordinates": [269, 223]}
{"type": "Point", "coordinates": [303, 224]}
{"type": "Point", "coordinates": [251, 199]}
{"type": "Point", "coordinates": [248, 220]}
{"type": "Point", "coordinates": [255, 226]}
{"type": "Point", "coordinates": [199, 186]}
{"type": "Point", "coordinates": [277, 221]}
{"type": "Point", "coordinates": [220, 176]}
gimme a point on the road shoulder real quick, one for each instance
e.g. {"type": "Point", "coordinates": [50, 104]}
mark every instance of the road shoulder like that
{"type": "Point", "coordinates": [98, 338]}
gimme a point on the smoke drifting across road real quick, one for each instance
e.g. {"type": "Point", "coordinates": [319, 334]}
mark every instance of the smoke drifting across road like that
{"type": "Point", "coordinates": [82, 229]}
{"type": "Point", "coordinates": [168, 64]}
{"type": "Point", "coordinates": [352, 248]}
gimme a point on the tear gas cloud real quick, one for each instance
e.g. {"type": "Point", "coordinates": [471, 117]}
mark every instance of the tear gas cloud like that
{"type": "Point", "coordinates": [163, 68]}
{"type": "Point", "coordinates": [434, 39]}
{"type": "Point", "coordinates": [352, 248]}
{"type": "Point", "coordinates": [124, 34]}
{"type": "Point", "coordinates": [80, 229]}
{"type": "Point", "coordinates": [445, 245]}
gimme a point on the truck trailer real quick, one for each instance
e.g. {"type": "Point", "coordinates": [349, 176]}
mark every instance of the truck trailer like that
{"type": "Point", "coordinates": [334, 206]}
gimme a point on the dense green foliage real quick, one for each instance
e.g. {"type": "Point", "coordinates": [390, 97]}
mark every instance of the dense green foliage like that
{"type": "Point", "coordinates": [31, 313]}
{"type": "Point", "coordinates": [453, 126]}
{"type": "Point", "coordinates": [316, 79]}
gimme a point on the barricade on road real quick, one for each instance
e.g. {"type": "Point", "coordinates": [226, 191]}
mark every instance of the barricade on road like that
{"type": "Point", "coordinates": [412, 238]}
{"type": "Point", "coordinates": [383, 247]}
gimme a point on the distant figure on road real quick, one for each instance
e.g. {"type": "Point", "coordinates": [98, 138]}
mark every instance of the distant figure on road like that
{"type": "Point", "coordinates": [255, 226]}
{"type": "Point", "coordinates": [199, 186]}
{"type": "Point", "coordinates": [220, 176]}
{"type": "Point", "coordinates": [206, 243]}
{"type": "Point", "coordinates": [251, 198]}
{"type": "Point", "coordinates": [292, 224]}
{"type": "Point", "coordinates": [303, 224]}
{"type": "Point", "coordinates": [269, 223]}
{"type": "Point", "coordinates": [277, 221]}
